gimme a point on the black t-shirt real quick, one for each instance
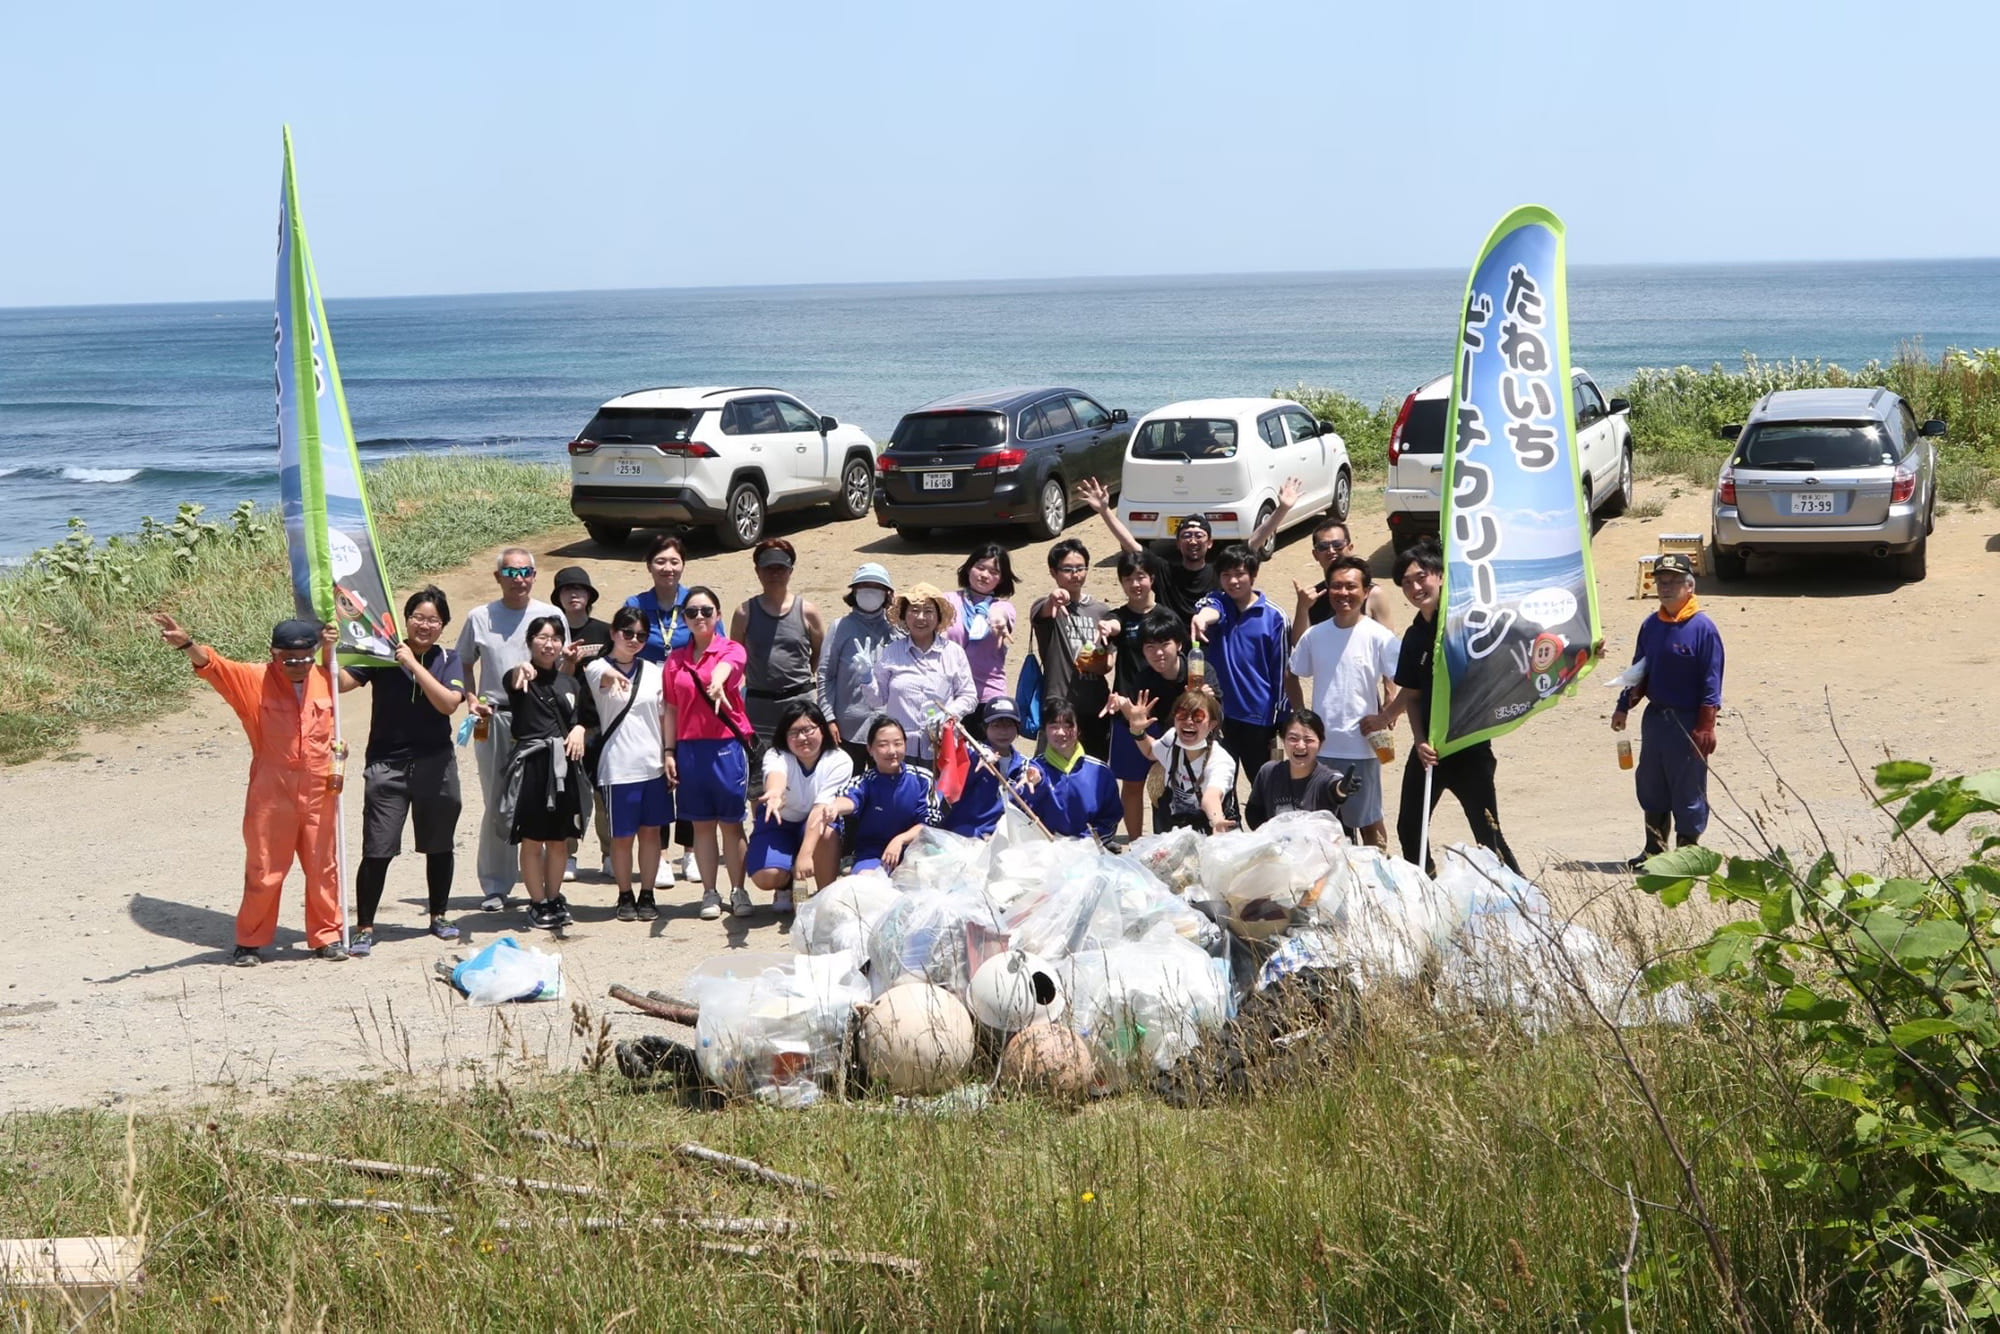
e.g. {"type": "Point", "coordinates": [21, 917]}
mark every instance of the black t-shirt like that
{"type": "Point", "coordinates": [1413, 671]}
{"type": "Point", "coordinates": [1274, 792]}
{"type": "Point", "coordinates": [596, 634]}
{"type": "Point", "coordinates": [404, 723]}
{"type": "Point", "coordinates": [1131, 658]}
{"type": "Point", "coordinates": [1180, 589]}
{"type": "Point", "coordinates": [547, 708]}
{"type": "Point", "coordinates": [1321, 608]}
{"type": "Point", "coordinates": [1164, 692]}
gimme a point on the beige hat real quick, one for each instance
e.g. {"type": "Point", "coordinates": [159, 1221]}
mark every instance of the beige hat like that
{"type": "Point", "coordinates": [947, 613]}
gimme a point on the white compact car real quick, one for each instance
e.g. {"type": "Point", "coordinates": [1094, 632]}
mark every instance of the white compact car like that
{"type": "Point", "coordinates": [1416, 456]}
{"type": "Point", "coordinates": [714, 456]}
{"type": "Point", "coordinates": [1225, 458]}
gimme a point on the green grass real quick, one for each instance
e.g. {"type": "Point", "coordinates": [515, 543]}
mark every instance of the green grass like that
{"type": "Point", "coordinates": [1455, 1176]}
{"type": "Point", "coordinates": [76, 649]}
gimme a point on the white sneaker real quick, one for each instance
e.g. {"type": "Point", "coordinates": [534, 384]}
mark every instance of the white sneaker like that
{"type": "Point", "coordinates": [569, 870]}
{"type": "Point", "coordinates": [739, 902]}
{"type": "Point", "coordinates": [690, 868]}
{"type": "Point", "coordinates": [782, 901]}
{"type": "Point", "coordinates": [663, 878]}
{"type": "Point", "coordinates": [711, 906]}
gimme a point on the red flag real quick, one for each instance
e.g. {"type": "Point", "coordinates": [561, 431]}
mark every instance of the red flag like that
{"type": "Point", "coordinates": [953, 763]}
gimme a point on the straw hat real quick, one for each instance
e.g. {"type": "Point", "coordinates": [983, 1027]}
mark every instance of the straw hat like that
{"type": "Point", "coordinates": [947, 613]}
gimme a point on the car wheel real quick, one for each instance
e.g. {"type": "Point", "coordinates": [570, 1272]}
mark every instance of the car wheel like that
{"type": "Point", "coordinates": [1051, 510]}
{"type": "Point", "coordinates": [1264, 512]}
{"type": "Point", "coordinates": [1621, 499]}
{"type": "Point", "coordinates": [857, 489]}
{"type": "Point", "coordinates": [1726, 564]}
{"type": "Point", "coordinates": [743, 517]}
{"type": "Point", "coordinates": [1911, 565]}
{"type": "Point", "coordinates": [1343, 495]}
{"type": "Point", "coordinates": [607, 534]}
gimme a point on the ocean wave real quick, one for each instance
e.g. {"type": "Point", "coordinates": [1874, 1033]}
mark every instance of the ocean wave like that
{"type": "Point", "coordinates": [407, 442]}
{"type": "Point", "coordinates": [101, 474]}
{"type": "Point", "coordinates": [8, 472]}
{"type": "Point", "coordinates": [76, 405]}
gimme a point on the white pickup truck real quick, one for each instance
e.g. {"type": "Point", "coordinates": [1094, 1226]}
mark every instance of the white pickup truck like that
{"type": "Point", "coordinates": [1416, 456]}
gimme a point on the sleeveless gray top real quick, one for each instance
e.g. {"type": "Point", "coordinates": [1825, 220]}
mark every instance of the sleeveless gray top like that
{"type": "Point", "coordinates": [780, 664]}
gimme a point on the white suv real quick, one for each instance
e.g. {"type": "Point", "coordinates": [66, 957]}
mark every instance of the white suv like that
{"type": "Point", "coordinates": [1416, 456]}
{"type": "Point", "coordinates": [715, 456]}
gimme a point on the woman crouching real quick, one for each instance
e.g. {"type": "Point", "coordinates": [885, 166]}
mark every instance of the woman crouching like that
{"type": "Point", "coordinates": [890, 804]}
{"type": "Point", "coordinates": [791, 839]}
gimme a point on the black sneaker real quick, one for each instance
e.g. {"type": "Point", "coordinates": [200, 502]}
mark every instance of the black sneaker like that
{"type": "Point", "coordinates": [333, 952]}
{"type": "Point", "coordinates": [246, 956]}
{"type": "Point", "coordinates": [543, 916]}
{"type": "Point", "coordinates": [648, 910]}
{"type": "Point", "coordinates": [561, 905]}
{"type": "Point", "coordinates": [628, 911]}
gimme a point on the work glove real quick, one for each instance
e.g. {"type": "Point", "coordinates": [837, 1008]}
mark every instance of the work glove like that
{"type": "Point", "coordinates": [1704, 730]}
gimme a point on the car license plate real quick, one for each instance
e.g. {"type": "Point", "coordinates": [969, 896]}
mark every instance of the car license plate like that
{"type": "Point", "coordinates": [1812, 502]}
{"type": "Point", "coordinates": [626, 468]}
{"type": "Point", "coordinates": [937, 481]}
{"type": "Point", "coordinates": [1174, 526]}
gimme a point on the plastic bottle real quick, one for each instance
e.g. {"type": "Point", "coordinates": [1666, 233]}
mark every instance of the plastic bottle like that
{"type": "Point", "coordinates": [1197, 666]}
{"type": "Point", "coordinates": [1624, 753]}
{"type": "Point", "coordinates": [480, 727]}
{"type": "Point", "coordinates": [336, 773]}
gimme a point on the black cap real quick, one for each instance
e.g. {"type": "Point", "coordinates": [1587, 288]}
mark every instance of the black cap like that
{"type": "Point", "coordinates": [295, 633]}
{"type": "Point", "coordinates": [1673, 563]}
{"type": "Point", "coordinates": [1000, 709]}
{"type": "Point", "coordinates": [576, 574]}
{"type": "Point", "coordinates": [1196, 521]}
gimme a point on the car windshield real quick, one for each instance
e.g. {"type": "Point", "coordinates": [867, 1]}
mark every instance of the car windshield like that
{"type": "Point", "coordinates": [1186, 438]}
{"type": "Point", "coordinates": [1423, 430]}
{"type": "Point", "coordinates": [1814, 446]}
{"type": "Point", "coordinates": [950, 430]}
{"type": "Point", "coordinates": [640, 426]}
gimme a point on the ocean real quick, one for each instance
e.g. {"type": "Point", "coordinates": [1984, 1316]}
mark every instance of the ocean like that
{"type": "Point", "coordinates": [113, 412]}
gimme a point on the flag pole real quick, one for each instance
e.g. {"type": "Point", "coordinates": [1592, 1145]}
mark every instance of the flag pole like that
{"type": "Point", "coordinates": [1424, 838]}
{"type": "Point", "coordinates": [339, 797]}
{"type": "Point", "coordinates": [1007, 789]}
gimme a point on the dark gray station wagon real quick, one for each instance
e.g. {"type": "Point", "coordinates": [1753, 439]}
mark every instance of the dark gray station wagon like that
{"type": "Point", "coordinates": [1003, 456]}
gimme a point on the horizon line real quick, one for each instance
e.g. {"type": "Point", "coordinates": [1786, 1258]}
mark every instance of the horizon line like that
{"type": "Point", "coordinates": [1022, 281]}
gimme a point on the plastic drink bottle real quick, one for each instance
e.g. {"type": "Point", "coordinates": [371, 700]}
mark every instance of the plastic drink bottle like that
{"type": "Point", "coordinates": [1624, 754]}
{"type": "Point", "coordinates": [336, 773]}
{"type": "Point", "coordinates": [1197, 664]}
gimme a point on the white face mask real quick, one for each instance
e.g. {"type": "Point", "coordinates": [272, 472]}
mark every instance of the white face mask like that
{"type": "Point", "coordinates": [870, 599]}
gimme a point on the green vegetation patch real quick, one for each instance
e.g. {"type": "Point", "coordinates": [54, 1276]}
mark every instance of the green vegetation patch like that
{"type": "Point", "coordinates": [76, 649]}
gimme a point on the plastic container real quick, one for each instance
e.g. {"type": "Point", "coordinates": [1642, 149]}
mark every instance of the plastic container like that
{"type": "Point", "coordinates": [1624, 754]}
{"type": "Point", "coordinates": [1384, 745]}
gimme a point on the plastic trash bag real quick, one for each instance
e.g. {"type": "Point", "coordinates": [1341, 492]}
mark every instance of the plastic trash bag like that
{"type": "Point", "coordinates": [504, 971]}
{"type": "Point", "coordinates": [1396, 920]}
{"type": "Point", "coordinates": [1094, 900]}
{"type": "Point", "coordinates": [842, 914]}
{"type": "Point", "coordinates": [1146, 1001]}
{"type": "Point", "coordinates": [925, 935]}
{"type": "Point", "coordinates": [940, 859]}
{"type": "Point", "coordinates": [1173, 857]}
{"type": "Point", "coordinates": [1294, 867]}
{"type": "Point", "coordinates": [777, 1034]}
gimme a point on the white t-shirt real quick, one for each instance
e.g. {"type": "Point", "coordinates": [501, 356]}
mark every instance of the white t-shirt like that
{"type": "Point", "coordinates": [1347, 668]}
{"type": "Point", "coordinates": [803, 790]}
{"type": "Point", "coordinates": [494, 641]}
{"type": "Point", "coordinates": [632, 755]}
{"type": "Point", "coordinates": [1214, 771]}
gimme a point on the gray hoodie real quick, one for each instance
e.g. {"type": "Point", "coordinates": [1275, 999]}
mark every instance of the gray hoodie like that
{"type": "Point", "coordinates": [846, 665]}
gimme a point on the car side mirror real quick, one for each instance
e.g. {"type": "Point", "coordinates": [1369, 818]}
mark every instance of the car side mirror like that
{"type": "Point", "coordinates": [1621, 405]}
{"type": "Point", "coordinates": [1325, 426]}
{"type": "Point", "coordinates": [827, 424]}
{"type": "Point", "coordinates": [1933, 427]}
{"type": "Point", "coordinates": [1732, 431]}
{"type": "Point", "coordinates": [1119, 416]}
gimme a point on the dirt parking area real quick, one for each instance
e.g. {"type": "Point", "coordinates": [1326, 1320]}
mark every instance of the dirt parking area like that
{"type": "Point", "coordinates": [129, 856]}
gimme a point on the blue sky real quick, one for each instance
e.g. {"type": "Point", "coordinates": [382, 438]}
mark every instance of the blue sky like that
{"type": "Point", "coordinates": [504, 147]}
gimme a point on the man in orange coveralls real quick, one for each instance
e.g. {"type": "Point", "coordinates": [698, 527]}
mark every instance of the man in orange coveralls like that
{"type": "Point", "coordinates": [286, 709]}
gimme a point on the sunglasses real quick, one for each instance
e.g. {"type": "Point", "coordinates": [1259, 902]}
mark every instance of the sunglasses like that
{"type": "Point", "coordinates": [305, 661]}
{"type": "Point", "coordinates": [1329, 546]}
{"type": "Point", "coordinates": [517, 571]}
{"type": "Point", "coordinates": [629, 633]}
{"type": "Point", "coordinates": [698, 613]}
{"type": "Point", "coordinates": [1190, 715]}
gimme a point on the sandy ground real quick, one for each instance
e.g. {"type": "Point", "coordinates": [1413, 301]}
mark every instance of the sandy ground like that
{"type": "Point", "coordinates": [127, 851]}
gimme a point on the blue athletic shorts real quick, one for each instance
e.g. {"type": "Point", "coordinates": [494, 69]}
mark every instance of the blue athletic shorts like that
{"type": "Point", "coordinates": [636, 806]}
{"type": "Point", "coordinates": [713, 781]}
{"type": "Point", "coordinates": [773, 846]}
{"type": "Point", "coordinates": [1129, 761]}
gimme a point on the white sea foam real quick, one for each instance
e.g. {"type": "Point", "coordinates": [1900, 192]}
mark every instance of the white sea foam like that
{"type": "Point", "coordinates": [8, 472]}
{"type": "Point", "coordinates": [100, 474]}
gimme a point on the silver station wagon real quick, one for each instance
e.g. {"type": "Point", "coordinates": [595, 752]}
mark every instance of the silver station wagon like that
{"type": "Point", "coordinates": [1819, 471]}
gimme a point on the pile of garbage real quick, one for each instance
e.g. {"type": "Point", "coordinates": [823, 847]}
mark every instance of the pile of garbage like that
{"type": "Point", "coordinates": [1060, 966]}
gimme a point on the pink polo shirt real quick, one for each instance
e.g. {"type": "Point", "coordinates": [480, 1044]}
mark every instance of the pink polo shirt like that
{"type": "Point", "coordinates": [688, 675]}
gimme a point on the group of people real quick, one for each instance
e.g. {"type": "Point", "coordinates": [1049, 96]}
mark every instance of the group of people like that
{"type": "Point", "coordinates": [775, 750]}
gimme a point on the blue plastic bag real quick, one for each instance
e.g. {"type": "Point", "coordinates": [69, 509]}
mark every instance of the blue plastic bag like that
{"type": "Point", "coordinates": [503, 972]}
{"type": "Point", "coordinates": [1028, 696]}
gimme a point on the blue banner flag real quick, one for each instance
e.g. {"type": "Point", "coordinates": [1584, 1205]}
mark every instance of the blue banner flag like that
{"type": "Point", "coordinates": [1518, 620]}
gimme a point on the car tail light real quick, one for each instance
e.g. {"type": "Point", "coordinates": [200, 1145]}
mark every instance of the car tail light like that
{"type": "Point", "coordinates": [1725, 486]}
{"type": "Point", "coordinates": [1396, 431]}
{"type": "Point", "coordinates": [883, 463]}
{"type": "Point", "coordinates": [581, 446]}
{"type": "Point", "coordinates": [1001, 460]}
{"type": "Point", "coordinates": [685, 449]}
{"type": "Point", "coordinates": [1145, 516]}
{"type": "Point", "coordinates": [1905, 486]}
{"type": "Point", "coordinates": [1222, 516]}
